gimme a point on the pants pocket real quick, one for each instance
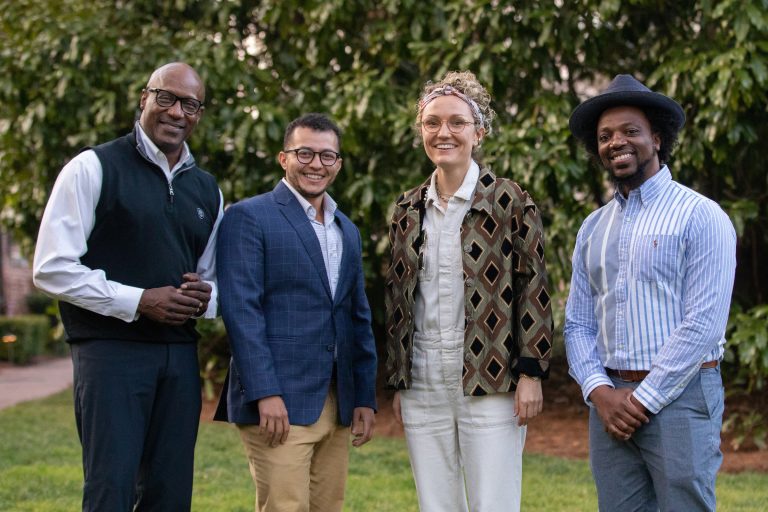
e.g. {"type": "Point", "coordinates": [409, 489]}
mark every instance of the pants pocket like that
{"type": "Point", "coordinates": [414, 402]}
{"type": "Point", "coordinates": [712, 389]}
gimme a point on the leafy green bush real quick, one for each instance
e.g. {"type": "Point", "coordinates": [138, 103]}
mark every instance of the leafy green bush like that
{"type": "Point", "coordinates": [23, 337]}
{"type": "Point", "coordinates": [38, 303]}
{"type": "Point", "coordinates": [213, 353]}
{"type": "Point", "coordinates": [747, 351]}
{"type": "Point", "coordinates": [56, 345]}
{"type": "Point", "coordinates": [747, 335]}
{"type": "Point", "coordinates": [748, 427]}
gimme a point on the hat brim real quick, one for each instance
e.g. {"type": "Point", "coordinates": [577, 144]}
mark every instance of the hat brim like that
{"type": "Point", "coordinates": [583, 121]}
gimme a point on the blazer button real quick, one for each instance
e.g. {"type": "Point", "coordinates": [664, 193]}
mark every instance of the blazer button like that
{"type": "Point", "coordinates": [330, 348]}
{"type": "Point", "coordinates": [467, 248]}
{"type": "Point", "coordinates": [469, 282]}
{"type": "Point", "coordinates": [467, 357]}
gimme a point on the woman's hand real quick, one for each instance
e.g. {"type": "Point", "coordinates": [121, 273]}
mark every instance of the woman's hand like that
{"type": "Point", "coordinates": [529, 400]}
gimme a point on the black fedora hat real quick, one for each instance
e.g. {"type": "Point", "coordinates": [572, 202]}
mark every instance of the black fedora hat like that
{"type": "Point", "coordinates": [624, 90]}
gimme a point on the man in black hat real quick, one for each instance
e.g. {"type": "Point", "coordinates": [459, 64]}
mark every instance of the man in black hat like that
{"type": "Point", "coordinates": [652, 277]}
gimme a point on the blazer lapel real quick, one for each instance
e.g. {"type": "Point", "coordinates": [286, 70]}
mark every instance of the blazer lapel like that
{"type": "Point", "coordinates": [292, 211]}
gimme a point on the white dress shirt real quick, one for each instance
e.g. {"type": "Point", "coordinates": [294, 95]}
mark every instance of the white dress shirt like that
{"type": "Point", "coordinates": [328, 234]}
{"type": "Point", "coordinates": [67, 223]}
{"type": "Point", "coordinates": [439, 301]}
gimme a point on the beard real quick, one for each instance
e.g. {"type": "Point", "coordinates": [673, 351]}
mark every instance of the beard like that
{"type": "Point", "coordinates": [634, 180]}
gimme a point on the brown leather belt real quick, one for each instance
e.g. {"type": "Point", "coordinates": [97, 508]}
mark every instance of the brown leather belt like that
{"type": "Point", "coordinates": [639, 375]}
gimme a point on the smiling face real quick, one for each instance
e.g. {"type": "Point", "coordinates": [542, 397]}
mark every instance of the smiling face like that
{"type": "Point", "coordinates": [451, 152]}
{"type": "Point", "coordinates": [627, 146]}
{"type": "Point", "coordinates": [169, 127]}
{"type": "Point", "coordinates": [310, 180]}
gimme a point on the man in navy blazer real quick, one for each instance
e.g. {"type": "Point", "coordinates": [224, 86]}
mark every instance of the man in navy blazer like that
{"type": "Point", "coordinates": [292, 297]}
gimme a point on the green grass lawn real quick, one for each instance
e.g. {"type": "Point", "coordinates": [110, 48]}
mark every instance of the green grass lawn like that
{"type": "Point", "coordinates": [40, 471]}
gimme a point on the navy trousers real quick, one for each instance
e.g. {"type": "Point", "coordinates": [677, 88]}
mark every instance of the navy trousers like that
{"type": "Point", "coordinates": [137, 408]}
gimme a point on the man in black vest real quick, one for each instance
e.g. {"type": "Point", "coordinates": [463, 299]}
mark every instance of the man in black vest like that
{"type": "Point", "coordinates": [126, 244]}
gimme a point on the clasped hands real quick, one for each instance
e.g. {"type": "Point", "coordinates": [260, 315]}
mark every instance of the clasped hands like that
{"type": "Point", "coordinates": [621, 413]}
{"type": "Point", "coordinates": [174, 306]}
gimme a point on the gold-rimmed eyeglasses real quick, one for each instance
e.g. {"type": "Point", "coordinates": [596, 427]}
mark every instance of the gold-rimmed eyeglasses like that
{"type": "Point", "coordinates": [455, 125]}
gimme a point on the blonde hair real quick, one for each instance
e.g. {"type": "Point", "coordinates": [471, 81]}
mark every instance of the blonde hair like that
{"type": "Point", "coordinates": [466, 83]}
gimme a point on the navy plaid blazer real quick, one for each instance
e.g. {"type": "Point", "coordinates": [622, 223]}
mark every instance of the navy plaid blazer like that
{"type": "Point", "coordinates": [284, 326]}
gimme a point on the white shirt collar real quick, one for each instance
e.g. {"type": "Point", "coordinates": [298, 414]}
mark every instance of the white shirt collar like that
{"type": "Point", "coordinates": [157, 156]}
{"type": "Point", "coordinates": [465, 191]}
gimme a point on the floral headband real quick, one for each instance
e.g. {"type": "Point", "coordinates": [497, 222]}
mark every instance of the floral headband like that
{"type": "Point", "coordinates": [448, 90]}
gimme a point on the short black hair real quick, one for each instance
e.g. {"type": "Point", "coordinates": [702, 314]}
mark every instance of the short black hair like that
{"type": "Point", "coordinates": [313, 121]}
{"type": "Point", "coordinates": [662, 123]}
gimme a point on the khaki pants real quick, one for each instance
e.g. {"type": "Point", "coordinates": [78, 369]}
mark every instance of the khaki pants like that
{"type": "Point", "coordinates": [307, 473]}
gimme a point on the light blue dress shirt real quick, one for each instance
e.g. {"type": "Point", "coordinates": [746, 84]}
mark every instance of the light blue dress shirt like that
{"type": "Point", "coordinates": [328, 233]}
{"type": "Point", "coordinates": [651, 289]}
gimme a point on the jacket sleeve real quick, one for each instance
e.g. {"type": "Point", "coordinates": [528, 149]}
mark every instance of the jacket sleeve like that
{"type": "Point", "coordinates": [394, 317]}
{"type": "Point", "coordinates": [534, 310]}
{"type": "Point", "coordinates": [240, 271]}
{"type": "Point", "coordinates": [364, 362]}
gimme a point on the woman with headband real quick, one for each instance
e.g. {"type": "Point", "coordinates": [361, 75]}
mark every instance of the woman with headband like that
{"type": "Point", "coordinates": [469, 324]}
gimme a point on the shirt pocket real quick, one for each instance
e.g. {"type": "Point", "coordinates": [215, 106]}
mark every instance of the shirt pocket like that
{"type": "Point", "coordinates": [427, 259]}
{"type": "Point", "coordinates": [657, 258]}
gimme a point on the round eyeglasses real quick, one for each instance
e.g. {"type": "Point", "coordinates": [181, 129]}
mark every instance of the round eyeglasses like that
{"type": "Point", "coordinates": [306, 155]}
{"type": "Point", "coordinates": [167, 99]}
{"type": "Point", "coordinates": [433, 124]}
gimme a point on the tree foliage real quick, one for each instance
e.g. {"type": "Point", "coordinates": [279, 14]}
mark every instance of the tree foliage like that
{"type": "Point", "coordinates": [71, 72]}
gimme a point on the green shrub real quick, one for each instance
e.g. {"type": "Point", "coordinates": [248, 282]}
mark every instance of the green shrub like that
{"type": "Point", "coordinates": [747, 352]}
{"type": "Point", "coordinates": [747, 335]}
{"type": "Point", "coordinates": [38, 303]}
{"type": "Point", "coordinates": [24, 337]}
{"type": "Point", "coordinates": [56, 344]}
{"type": "Point", "coordinates": [213, 353]}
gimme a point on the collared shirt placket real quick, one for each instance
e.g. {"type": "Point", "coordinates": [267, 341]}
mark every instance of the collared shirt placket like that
{"type": "Point", "coordinates": [628, 212]}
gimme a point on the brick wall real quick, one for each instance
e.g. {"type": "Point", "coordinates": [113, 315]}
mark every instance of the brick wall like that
{"type": "Point", "coordinates": [16, 276]}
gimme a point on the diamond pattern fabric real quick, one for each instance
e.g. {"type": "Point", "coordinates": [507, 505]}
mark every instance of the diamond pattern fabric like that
{"type": "Point", "coordinates": [508, 324]}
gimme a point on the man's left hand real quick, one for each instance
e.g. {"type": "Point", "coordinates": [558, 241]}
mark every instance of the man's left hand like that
{"type": "Point", "coordinates": [197, 289]}
{"type": "Point", "coordinates": [363, 419]}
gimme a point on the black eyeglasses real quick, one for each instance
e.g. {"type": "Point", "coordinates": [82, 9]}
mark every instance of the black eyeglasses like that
{"type": "Point", "coordinates": [306, 155]}
{"type": "Point", "coordinates": [167, 99]}
{"type": "Point", "coordinates": [433, 124]}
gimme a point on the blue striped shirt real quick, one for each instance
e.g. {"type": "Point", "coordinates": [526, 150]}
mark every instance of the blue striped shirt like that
{"type": "Point", "coordinates": [651, 289]}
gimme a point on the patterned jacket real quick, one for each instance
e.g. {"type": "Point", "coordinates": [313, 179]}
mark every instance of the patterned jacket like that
{"type": "Point", "coordinates": [508, 317]}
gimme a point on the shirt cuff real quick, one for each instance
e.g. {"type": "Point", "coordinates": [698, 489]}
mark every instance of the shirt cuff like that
{"type": "Point", "coordinates": [126, 303]}
{"type": "Point", "coordinates": [594, 381]}
{"type": "Point", "coordinates": [530, 366]}
{"type": "Point", "coordinates": [212, 309]}
{"type": "Point", "coordinates": [649, 397]}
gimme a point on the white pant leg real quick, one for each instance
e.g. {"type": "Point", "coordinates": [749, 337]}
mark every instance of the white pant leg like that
{"type": "Point", "coordinates": [491, 445]}
{"type": "Point", "coordinates": [429, 418]}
